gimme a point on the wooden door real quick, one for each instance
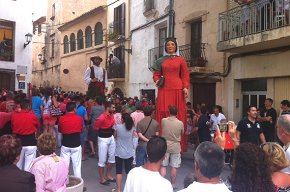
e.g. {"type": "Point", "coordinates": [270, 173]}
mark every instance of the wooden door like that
{"type": "Point", "coordinates": [204, 93]}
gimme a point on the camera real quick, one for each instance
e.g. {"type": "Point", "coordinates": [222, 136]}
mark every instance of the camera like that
{"type": "Point", "coordinates": [223, 127]}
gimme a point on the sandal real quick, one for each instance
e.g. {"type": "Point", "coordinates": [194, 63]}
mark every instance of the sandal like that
{"type": "Point", "coordinates": [105, 183]}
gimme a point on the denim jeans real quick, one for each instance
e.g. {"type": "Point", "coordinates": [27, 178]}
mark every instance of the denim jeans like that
{"type": "Point", "coordinates": [141, 156]}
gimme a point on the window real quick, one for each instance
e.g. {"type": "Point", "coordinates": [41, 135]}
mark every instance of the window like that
{"type": "Point", "coordinates": [162, 37]}
{"type": "Point", "coordinates": [52, 47]}
{"type": "Point", "coordinates": [89, 37]}
{"type": "Point", "coordinates": [196, 32]}
{"type": "Point", "coordinates": [53, 12]}
{"type": "Point", "coordinates": [148, 5]}
{"type": "Point", "coordinates": [119, 19]}
{"type": "Point", "coordinates": [7, 40]}
{"type": "Point", "coordinates": [72, 42]}
{"type": "Point", "coordinates": [65, 45]}
{"type": "Point", "coordinates": [98, 33]}
{"type": "Point", "coordinates": [80, 40]}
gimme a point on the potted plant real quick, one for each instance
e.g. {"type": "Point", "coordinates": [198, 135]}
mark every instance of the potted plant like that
{"type": "Point", "coordinates": [75, 184]}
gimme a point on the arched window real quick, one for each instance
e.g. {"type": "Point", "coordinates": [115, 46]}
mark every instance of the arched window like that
{"type": "Point", "coordinates": [89, 37]}
{"type": "Point", "coordinates": [72, 42]}
{"type": "Point", "coordinates": [98, 33]}
{"type": "Point", "coordinates": [65, 45]}
{"type": "Point", "coordinates": [80, 39]}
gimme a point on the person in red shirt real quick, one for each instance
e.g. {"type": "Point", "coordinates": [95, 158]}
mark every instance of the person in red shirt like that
{"type": "Point", "coordinates": [70, 125]}
{"type": "Point", "coordinates": [24, 126]}
{"type": "Point", "coordinates": [106, 143]}
{"type": "Point", "coordinates": [9, 104]}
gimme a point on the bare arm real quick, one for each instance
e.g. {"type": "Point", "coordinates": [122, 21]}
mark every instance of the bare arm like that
{"type": "Point", "coordinates": [262, 138]}
{"type": "Point", "coordinates": [141, 136]}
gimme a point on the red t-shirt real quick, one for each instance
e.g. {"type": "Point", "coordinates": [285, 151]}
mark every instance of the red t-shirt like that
{"type": "Point", "coordinates": [4, 118]}
{"type": "Point", "coordinates": [70, 123]}
{"type": "Point", "coordinates": [24, 122]}
{"type": "Point", "coordinates": [104, 121]}
{"type": "Point", "coordinates": [229, 143]}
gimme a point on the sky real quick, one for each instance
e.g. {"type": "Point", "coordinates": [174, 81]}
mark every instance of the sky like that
{"type": "Point", "coordinates": [39, 8]}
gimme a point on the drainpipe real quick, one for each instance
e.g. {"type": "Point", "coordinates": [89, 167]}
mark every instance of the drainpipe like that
{"type": "Point", "coordinates": [171, 20]}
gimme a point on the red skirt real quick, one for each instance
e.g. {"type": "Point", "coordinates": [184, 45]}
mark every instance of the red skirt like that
{"type": "Point", "coordinates": [174, 97]}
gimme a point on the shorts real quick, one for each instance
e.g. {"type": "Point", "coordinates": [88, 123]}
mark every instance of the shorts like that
{"type": "Point", "coordinates": [92, 134]}
{"type": "Point", "coordinates": [106, 150]}
{"type": "Point", "coordinates": [48, 119]}
{"type": "Point", "coordinates": [83, 136]}
{"type": "Point", "coordinates": [119, 164]}
{"type": "Point", "coordinates": [174, 159]}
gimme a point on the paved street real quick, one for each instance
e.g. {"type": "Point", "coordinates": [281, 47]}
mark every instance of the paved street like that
{"type": "Point", "coordinates": [91, 179]}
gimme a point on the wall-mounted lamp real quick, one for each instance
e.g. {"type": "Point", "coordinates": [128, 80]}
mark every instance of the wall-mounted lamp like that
{"type": "Point", "coordinates": [28, 38]}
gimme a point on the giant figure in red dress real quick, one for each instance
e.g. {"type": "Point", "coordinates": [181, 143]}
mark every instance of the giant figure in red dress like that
{"type": "Point", "coordinates": [174, 91]}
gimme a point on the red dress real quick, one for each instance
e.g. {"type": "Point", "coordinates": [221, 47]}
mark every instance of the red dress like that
{"type": "Point", "coordinates": [176, 76]}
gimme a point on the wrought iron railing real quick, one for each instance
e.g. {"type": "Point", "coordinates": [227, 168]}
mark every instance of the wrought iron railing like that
{"type": "Point", "coordinates": [256, 17]}
{"type": "Point", "coordinates": [193, 55]}
{"type": "Point", "coordinates": [116, 70]}
{"type": "Point", "coordinates": [116, 29]}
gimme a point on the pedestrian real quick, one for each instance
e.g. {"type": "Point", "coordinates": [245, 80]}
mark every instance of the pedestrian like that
{"type": "Point", "coordinates": [25, 133]}
{"type": "Point", "coordinates": [146, 128]}
{"type": "Point", "coordinates": [249, 129]}
{"type": "Point", "coordinates": [285, 107]}
{"type": "Point", "coordinates": [124, 147]}
{"type": "Point", "coordinates": [172, 130]}
{"type": "Point", "coordinates": [147, 178]}
{"type": "Point", "coordinates": [106, 143]}
{"type": "Point", "coordinates": [203, 130]}
{"type": "Point", "coordinates": [215, 118]}
{"type": "Point", "coordinates": [70, 125]}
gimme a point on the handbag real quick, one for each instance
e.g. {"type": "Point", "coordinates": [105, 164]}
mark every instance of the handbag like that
{"type": "Point", "coordinates": [55, 111]}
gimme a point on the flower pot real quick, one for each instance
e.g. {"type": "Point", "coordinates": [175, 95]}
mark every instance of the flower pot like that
{"type": "Point", "coordinates": [75, 184]}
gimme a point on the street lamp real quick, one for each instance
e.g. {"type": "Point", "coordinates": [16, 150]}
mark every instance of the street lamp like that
{"type": "Point", "coordinates": [28, 38]}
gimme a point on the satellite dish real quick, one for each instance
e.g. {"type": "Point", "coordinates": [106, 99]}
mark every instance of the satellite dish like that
{"type": "Point", "coordinates": [65, 71]}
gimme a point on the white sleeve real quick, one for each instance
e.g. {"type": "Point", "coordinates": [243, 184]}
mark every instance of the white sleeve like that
{"type": "Point", "coordinates": [106, 79]}
{"type": "Point", "coordinates": [87, 76]}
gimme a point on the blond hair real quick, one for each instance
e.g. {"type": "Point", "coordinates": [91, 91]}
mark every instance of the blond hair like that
{"type": "Point", "coordinates": [276, 155]}
{"type": "Point", "coordinates": [46, 144]}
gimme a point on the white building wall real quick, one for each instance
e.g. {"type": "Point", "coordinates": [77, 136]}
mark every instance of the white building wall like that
{"type": "Point", "coordinates": [19, 12]}
{"type": "Point", "coordinates": [140, 77]}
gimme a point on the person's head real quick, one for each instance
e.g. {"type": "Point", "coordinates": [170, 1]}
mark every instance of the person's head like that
{"type": "Point", "coordinates": [96, 60]}
{"type": "Point", "coordinates": [71, 107]}
{"type": "Point", "coordinates": [283, 128]}
{"type": "Point", "coordinates": [203, 110]}
{"type": "Point", "coordinates": [35, 91]}
{"type": "Point", "coordinates": [110, 107]}
{"type": "Point", "coordinates": [156, 149]}
{"type": "Point", "coordinates": [111, 55]}
{"type": "Point", "coordinates": [216, 110]}
{"type": "Point", "coordinates": [251, 170]}
{"type": "Point", "coordinates": [138, 106]}
{"type": "Point", "coordinates": [268, 103]}
{"type": "Point", "coordinates": [173, 110]}
{"type": "Point", "coordinates": [130, 101]}
{"type": "Point", "coordinates": [285, 104]}
{"type": "Point", "coordinates": [46, 144]}
{"type": "Point", "coordinates": [10, 95]}
{"type": "Point", "coordinates": [127, 119]}
{"type": "Point", "coordinates": [10, 148]}
{"type": "Point", "coordinates": [276, 155]}
{"type": "Point", "coordinates": [147, 110]}
{"type": "Point", "coordinates": [99, 100]}
{"type": "Point", "coordinates": [171, 45]}
{"type": "Point", "coordinates": [77, 99]}
{"type": "Point", "coordinates": [252, 112]}
{"type": "Point", "coordinates": [25, 104]}
{"type": "Point", "coordinates": [209, 160]}
{"type": "Point", "coordinates": [188, 105]}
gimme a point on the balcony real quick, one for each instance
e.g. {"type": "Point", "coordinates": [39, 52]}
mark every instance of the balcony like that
{"type": "Point", "coordinates": [116, 30]}
{"type": "Point", "coordinates": [254, 26]}
{"type": "Point", "coordinates": [195, 58]}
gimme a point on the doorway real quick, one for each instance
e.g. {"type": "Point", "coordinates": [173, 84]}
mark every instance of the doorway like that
{"type": "Point", "coordinates": [204, 93]}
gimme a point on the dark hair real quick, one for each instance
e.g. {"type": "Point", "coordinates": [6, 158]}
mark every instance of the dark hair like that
{"type": "Point", "coordinates": [173, 40]}
{"type": "Point", "coordinates": [10, 148]}
{"type": "Point", "coordinates": [70, 106]}
{"type": "Point", "coordinates": [46, 144]}
{"type": "Point", "coordinates": [35, 91]}
{"type": "Point", "coordinates": [250, 107]}
{"type": "Point", "coordinates": [285, 102]}
{"type": "Point", "coordinates": [138, 106]}
{"type": "Point", "coordinates": [251, 172]}
{"type": "Point", "coordinates": [147, 110]}
{"type": "Point", "coordinates": [108, 104]}
{"type": "Point", "coordinates": [118, 109]}
{"type": "Point", "coordinates": [128, 121]}
{"type": "Point", "coordinates": [203, 110]}
{"type": "Point", "coordinates": [172, 110]}
{"type": "Point", "coordinates": [99, 100]}
{"type": "Point", "coordinates": [210, 159]}
{"type": "Point", "coordinates": [156, 148]}
{"type": "Point", "coordinates": [24, 104]}
{"type": "Point", "coordinates": [269, 99]}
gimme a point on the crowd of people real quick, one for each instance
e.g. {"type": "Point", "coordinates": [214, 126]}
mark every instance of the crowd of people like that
{"type": "Point", "coordinates": [124, 132]}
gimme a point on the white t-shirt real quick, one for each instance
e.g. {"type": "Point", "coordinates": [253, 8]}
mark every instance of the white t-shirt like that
{"type": "Point", "coordinates": [216, 120]}
{"type": "Point", "coordinates": [143, 180]}
{"type": "Point", "coordinates": [205, 187]}
{"type": "Point", "coordinates": [287, 169]}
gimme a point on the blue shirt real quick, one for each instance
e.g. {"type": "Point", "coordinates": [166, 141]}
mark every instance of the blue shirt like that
{"type": "Point", "coordinates": [36, 104]}
{"type": "Point", "coordinates": [81, 111]}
